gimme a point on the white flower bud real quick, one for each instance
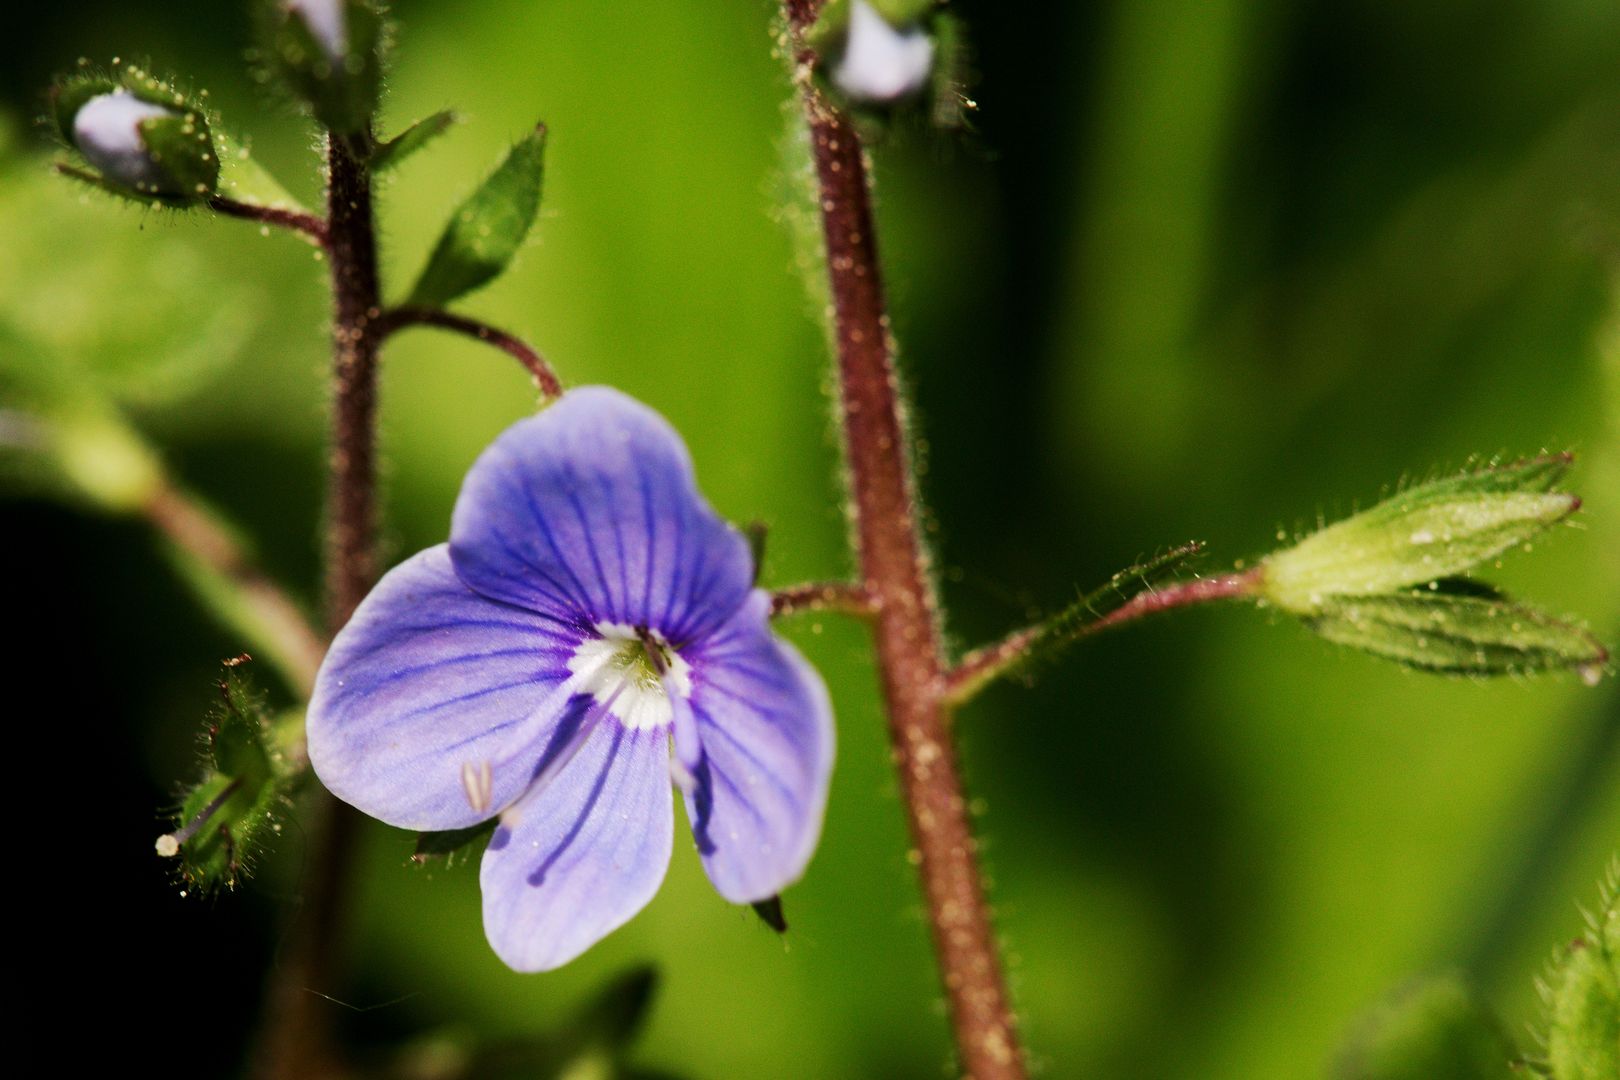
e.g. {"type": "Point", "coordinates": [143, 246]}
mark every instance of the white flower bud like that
{"type": "Point", "coordinates": [880, 63]}
{"type": "Point", "coordinates": [107, 131]}
{"type": "Point", "coordinates": [326, 24]}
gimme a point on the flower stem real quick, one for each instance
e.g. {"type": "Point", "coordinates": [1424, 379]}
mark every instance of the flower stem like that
{"type": "Point", "coordinates": [980, 667]}
{"type": "Point", "coordinates": [313, 228]}
{"type": "Point", "coordinates": [842, 596]}
{"type": "Point", "coordinates": [910, 656]}
{"type": "Point", "coordinates": [544, 377]}
{"type": "Point", "coordinates": [298, 1042]}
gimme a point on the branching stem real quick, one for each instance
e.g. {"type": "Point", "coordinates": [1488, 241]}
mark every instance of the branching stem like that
{"type": "Point", "coordinates": [312, 227]}
{"type": "Point", "coordinates": [840, 596]}
{"type": "Point", "coordinates": [545, 378]}
{"type": "Point", "coordinates": [907, 642]}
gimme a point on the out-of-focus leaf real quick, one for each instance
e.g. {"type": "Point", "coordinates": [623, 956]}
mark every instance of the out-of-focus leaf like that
{"type": "Point", "coordinates": [134, 315]}
{"type": "Point", "coordinates": [486, 231]}
{"type": "Point", "coordinates": [1434, 1029]}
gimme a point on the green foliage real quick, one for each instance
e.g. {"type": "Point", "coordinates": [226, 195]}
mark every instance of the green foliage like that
{"type": "Point", "coordinates": [487, 229]}
{"type": "Point", "coordinates": [1441, 629]}
{"type": "Point", "coordinates": [1434, 1029]}
{"type": "Point", "coordinates": [233, 811]}
{"type": "Point", "coordinates": [1427, 532]}
{"type": "Point", "coordinates": [1583, 997]}
{"type": "Point", "coordinates": [388, 155]}
{"type": "Point", "coordinates": [593, 1044]}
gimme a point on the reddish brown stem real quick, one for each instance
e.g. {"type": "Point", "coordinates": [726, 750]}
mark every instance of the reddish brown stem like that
{"type": "Point", "coordinates": [843, 596]}
{"type": "Point", "coordinates": [298, 1042]}
{"type": "Point", "coordinates": [981, 666]}
{"type": "Point", "coordinates": [909, 654]}
{"type": "Point", "coordinates": [544, 377]}
{"type": "Point", "coordinates": [312, 227]}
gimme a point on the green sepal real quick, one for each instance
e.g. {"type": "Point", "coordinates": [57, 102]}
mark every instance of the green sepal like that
{"type": "Point", "coordinates": [1434, 530]}
{"type": "Point", "coordinates": [388, 155]}
{"type": "Point", "coordinates": [487, 229]}
{"type": "Point", "coordinates": [1434, 1029]}
{"type": "Point", "coordinates": [183, 148]}
{"type": "Point", "coordinates": [444, 845]}
{"type": "Point", "coordinates": [756, 533]}
{"type": "Point", "coordinates": [1583, 998]}
{"type": "Point", "coordinates": [229, 816]}
{"type": "Point", "coordinates": [1446, 630]}
{"type": "Point", "coordinates": [770, 913]}
{"type": "Point", "coordinates": [341, 95]}
{"type": "Point", "coordinates": [833, 20]}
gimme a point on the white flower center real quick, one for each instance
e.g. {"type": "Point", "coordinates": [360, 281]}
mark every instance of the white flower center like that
{"type": "Point", "coordinates": [627, 670]}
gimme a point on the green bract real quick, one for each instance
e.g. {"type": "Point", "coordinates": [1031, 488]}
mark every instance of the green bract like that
{"type": "Point", "coordinates": [1431, 531]}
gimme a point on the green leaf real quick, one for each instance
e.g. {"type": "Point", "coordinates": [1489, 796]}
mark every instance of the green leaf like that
{"type": "Point", "coordinates": [486, 231]}
{"type": "Point", "coordinates": [1434, 1029]}
{"type": "Point", "coordinates": [231, 814]}
{"type": "Point", "coordinates": [388, 155]}
{"type": "Point", "coordinates": [1583, 998]}
{"type": "Point", "coordinates": [1431, 531]}
{"type": "Point", "coordinates": [1437, 630]}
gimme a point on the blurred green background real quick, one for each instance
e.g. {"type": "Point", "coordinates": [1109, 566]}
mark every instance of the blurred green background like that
{"type": "Point", "coordinates": [1205, 268]}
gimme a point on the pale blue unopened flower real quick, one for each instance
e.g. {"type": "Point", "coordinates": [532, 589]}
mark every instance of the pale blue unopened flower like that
{"type": "Point", "coordinates": [590, 634]}
{"type": "Point", "coordinates": [107, 131]}
{"type": "Point", "coordinates": [327, 24]}
{"type": "Point", "coordinates": [881, 63]}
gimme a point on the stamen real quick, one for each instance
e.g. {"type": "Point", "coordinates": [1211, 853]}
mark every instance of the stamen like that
{"type": "Point", "coordinates": [688, 745]}
{"type": "Point", "coordinates": [479, 784]}
{"type": "Point", "coordinates": [512, 815]}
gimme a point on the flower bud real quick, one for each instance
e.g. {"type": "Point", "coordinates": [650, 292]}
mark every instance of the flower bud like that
{"type": "Point", "coordinates": [326, 23]}
{"type": "Point", "coordinates": [1432, 531]}
{"type": "Point", "coordinates": [142, 137]}
{"type": "Point", "coordinates": [328, 54]}
{"type": "Point", "coordinates": [880, 63]}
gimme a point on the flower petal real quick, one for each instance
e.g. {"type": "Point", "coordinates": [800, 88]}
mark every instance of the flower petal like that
{"type": "Point", "coordinates": [428, 681]}
{"type": "Point", "coordinates": [766, 726]}
{"type": "Point", "coordinates": [583, 853]}
{"type": "Point", "coordinates": [589, 511]}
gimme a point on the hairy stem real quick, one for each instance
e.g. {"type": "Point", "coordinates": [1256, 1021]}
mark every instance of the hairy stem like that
{"type": "Point", "coordinates": [842, 596]}
{"type": "Point", "coordinates": [982, 666]}
{"type": "Point", "coordinates": [236, 589]}
{"type": "Point", "coordinates": [909, 652]}
{"type": "Point", "coordinates": [299, 1043]}
{"type": "Point", "coordinates": [312, 227]}
{"type": "Point", "coordinates": [545, 379]}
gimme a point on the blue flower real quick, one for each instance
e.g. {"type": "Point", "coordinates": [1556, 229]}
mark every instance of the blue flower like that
{"type": "Point", "coordinates": [590, 633]}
